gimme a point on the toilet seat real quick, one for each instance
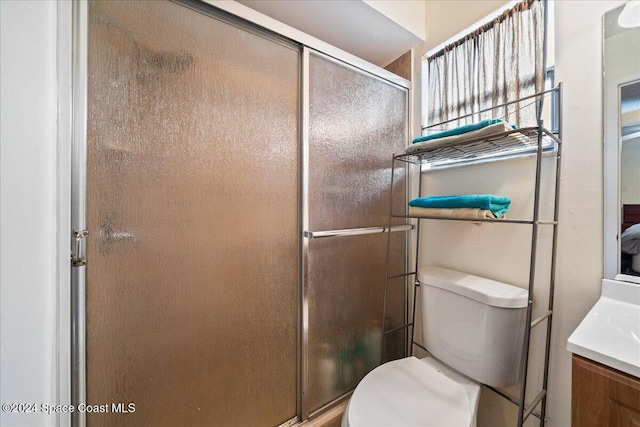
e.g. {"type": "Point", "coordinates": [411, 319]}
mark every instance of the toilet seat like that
{"type": "Point", "coordinates": [413, 392]}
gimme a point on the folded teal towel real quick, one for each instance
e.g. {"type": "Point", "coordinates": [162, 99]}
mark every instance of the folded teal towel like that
{"type": "Point", "coordinates": [498, 205]}
{"type": "Point", "coordinates": [459, 130]}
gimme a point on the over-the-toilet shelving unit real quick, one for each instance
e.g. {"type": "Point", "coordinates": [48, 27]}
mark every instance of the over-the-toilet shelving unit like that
{"type": "Point", "coordinates": [537, 141]}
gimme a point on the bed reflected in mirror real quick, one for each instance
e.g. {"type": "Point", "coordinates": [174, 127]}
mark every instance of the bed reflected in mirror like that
{"type": "Point", "coordinates": [621, 71]}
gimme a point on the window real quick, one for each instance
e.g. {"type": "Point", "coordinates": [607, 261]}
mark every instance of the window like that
{"type": "Point", "coordinates": [501, 61]}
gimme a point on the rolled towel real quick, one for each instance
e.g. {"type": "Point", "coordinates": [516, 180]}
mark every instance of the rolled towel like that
{"type": "Point", "coordinates": [498, 205]}
{"type": "Point", "coordinates": [469, 213]}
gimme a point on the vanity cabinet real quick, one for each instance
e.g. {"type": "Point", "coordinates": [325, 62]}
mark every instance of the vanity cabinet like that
{"type": "Point", "coordinates": [603, 396]}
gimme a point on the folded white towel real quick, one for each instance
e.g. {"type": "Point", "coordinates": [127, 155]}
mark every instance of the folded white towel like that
{"type": "Point", "coordinates": [487, 132]}
{"type": "Point", "coordinates": [470, 213]}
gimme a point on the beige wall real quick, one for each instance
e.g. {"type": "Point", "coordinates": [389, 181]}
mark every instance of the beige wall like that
{"type": "Point", "coordinates": [501, 252]}
{"type": "Point", "coordinates": [447, 18]}
{"type": "Point", "coordinates": [579, 66]}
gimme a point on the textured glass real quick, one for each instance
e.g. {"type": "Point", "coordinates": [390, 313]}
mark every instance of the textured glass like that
{"type": "Point", "coordinates": [193, 220]}
{"type": "Point", "coordinates": [356, 123]}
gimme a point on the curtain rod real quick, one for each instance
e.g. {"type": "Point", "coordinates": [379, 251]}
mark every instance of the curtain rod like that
{"type": "Point", "coordinates": [520, 7]}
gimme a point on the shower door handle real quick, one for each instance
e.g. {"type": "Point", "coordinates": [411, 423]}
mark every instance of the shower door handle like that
{"type": "Point", "coordinates": [356, 231]}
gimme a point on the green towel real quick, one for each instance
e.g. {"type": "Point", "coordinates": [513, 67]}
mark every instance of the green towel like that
{"type": "Point", "coordinates": [498, 205]}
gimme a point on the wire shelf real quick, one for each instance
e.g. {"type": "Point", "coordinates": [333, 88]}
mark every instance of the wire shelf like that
{"type": "Point", "coordinates": [513, 142]}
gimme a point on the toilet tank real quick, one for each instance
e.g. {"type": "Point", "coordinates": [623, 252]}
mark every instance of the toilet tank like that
{"type": "Point", "coordinates": [473, 324]}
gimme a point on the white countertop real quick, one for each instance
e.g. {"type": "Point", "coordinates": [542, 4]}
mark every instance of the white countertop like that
{"type": "Point", "coordinates": [610, 332]}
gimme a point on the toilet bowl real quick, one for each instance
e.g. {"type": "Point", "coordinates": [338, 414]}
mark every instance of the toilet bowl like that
{"type": "Point", "coordinates": [473, 328]}
{"type": "Point", "coordinates": [413, 392]}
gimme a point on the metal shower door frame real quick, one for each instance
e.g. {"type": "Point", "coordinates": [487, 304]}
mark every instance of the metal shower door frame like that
{"type": "Point", "coordinates": [79, 207]}
{"type": "Point", "coordinates": [79, 83]}
{"type": "Point", "coordinates": [306, 233]}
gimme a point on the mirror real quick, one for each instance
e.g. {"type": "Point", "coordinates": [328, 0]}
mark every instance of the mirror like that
{"type": "Point", "coordinates": [621, 72]}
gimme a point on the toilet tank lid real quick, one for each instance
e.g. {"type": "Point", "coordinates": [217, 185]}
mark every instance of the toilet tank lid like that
{"type": "Point", "coordinates": [481, 289]}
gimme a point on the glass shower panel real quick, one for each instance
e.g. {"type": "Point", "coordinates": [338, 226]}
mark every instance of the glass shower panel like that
{"type": "Point", "coordinates": [356, 123]}
{"type": "Point", "coordinates": [192, 279]}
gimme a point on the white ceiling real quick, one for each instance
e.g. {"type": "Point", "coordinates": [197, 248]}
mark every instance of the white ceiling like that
{"type": "Point", "coordinates": [350, 25]}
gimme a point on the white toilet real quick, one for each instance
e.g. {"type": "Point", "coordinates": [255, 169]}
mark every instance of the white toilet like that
{"type": "Point", "coordinates": [473, 327]}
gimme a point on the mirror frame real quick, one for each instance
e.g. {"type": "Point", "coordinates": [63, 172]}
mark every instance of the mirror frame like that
{"type": "Point", "coordinates": [612, 151]}
{"type": "Point", "coordinates": [612, 156]}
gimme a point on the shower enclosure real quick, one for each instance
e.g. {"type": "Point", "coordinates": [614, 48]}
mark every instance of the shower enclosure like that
{"type": "Point", "coordinates": [230, 182]}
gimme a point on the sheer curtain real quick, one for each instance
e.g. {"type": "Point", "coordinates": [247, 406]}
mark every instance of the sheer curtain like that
{"type": "Point", "coordinates": [499, 62]}
{"type": "Point", "coordinates": [453, 84]}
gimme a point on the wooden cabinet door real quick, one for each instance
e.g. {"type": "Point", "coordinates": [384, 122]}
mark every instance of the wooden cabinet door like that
{"type": "Point", "coordinates": [602, 396]}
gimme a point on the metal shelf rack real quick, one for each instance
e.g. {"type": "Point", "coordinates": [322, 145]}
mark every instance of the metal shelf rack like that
{"type": "Point", "coordinates": [535, 140]}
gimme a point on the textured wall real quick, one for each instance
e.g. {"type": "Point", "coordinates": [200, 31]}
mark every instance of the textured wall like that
{"type": "Point", "coordinates": [580, 262]}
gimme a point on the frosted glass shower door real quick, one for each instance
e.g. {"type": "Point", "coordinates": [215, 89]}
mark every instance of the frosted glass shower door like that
{"type": "Point", "coordinates": [192, 213]}
{"type": "Point", "coordinates": [356, 122]}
